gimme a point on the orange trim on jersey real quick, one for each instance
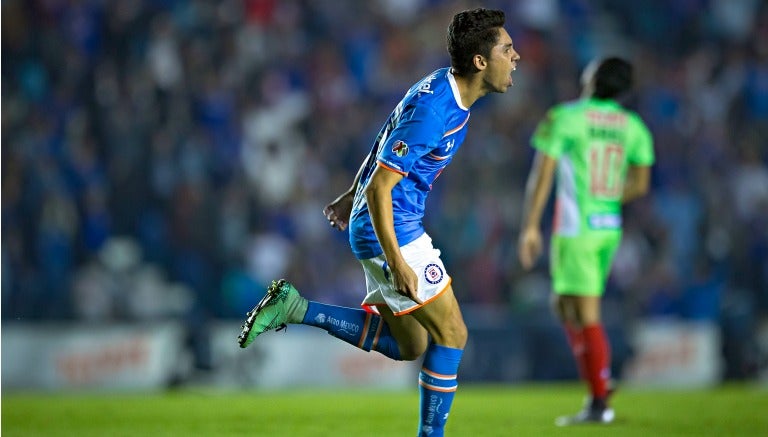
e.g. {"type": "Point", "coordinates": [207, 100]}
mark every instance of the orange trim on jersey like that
{"type": "Point", "coordinates": [417, 306]}
{"type": "Point", "coordinates": [365, 330]}
{"type": "Point", "coordinates": [457, 128]}
{"type": "Point", "coordinates": [376, 336]}
{"type": "Point", "coordinates": [439, 158]}
{"type": "Point", "coordinates": [437, 375]}
{"type": "Point", "coordinates": [436, 388]}
{"type": "Point", "coordinates": [381, 164]}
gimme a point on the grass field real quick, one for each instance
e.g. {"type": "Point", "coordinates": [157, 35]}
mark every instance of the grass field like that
{"type": "Point", "coordinates": [478, 411]}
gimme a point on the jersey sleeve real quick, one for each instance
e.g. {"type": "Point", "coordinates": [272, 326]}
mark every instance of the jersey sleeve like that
{"type": "Point", "coordinates": [641, 150]}
{"type": "Point", "coordinates": [549, 134]}
{"type": "Point", "coordinates": [418, 132]}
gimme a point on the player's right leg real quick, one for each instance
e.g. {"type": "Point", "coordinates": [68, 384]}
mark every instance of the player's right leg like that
{"type": "Point", "coordinates": [580, 316]}
{"type": "Point", "coordinates": [439, 316]}
{"type": "Point", "coordinates": [438, 377]}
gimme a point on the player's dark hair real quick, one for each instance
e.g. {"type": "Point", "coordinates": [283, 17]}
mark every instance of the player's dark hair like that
{"type": "Point", "coordinates": [470, 33]}
{"type": "Point", "coordinates": [613, 77]}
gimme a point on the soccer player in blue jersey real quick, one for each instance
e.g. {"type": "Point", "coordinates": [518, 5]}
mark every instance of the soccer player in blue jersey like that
{"type": "Point", "coordinates": [410, 308]}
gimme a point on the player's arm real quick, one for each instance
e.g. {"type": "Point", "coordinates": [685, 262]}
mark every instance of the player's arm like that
{"type": "Point", "coordinates": [537, 190]}
{"type": "Point", "coordinates": [641, 157]}
{"type": "Point", "coordinates": [378, 194]}
{"type": "Point", "coordinates": [637, 183]}
{"type": "Point", "coordinates": [337, 212]}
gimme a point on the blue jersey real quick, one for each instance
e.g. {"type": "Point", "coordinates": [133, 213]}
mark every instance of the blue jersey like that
{"type": "Point", "coordinates": [418, 140]}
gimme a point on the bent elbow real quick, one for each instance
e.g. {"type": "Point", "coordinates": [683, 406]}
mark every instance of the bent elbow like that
{"type": "Point", "coordinates": [370, 192]}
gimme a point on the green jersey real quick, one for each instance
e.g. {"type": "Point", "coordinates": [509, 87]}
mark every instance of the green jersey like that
{"type": "Point", "coordinates": [594, 142]}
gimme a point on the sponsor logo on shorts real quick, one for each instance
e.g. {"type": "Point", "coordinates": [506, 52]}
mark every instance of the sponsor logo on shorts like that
{"type": "Point", "coordinates": [400, 148]}
{"type": "Point", "coordinates": [320, 318]}
{"type": "Point", "coordinates": [433, 273]}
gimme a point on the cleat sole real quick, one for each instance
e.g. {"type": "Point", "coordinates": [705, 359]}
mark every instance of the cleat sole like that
{"type": "Point", "coordinates": [272, 291]}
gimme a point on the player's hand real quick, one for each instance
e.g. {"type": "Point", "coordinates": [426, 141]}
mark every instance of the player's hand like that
{"type": "Point", "coordinates": [529, 247]}
{"type": "Point", "coordinates": [337, 212]}
{"type": "Point", "coordinates": [405, 281]}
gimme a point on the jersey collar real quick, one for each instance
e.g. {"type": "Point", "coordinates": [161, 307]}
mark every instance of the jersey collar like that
{"type": "Point", "coordinates": [455, 89]}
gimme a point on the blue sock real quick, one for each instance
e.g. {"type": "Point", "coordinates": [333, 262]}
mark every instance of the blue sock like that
{"type": "Point", "coordinates": [355, 326]}
{"type": "Point", "coordinates": [437, 385]}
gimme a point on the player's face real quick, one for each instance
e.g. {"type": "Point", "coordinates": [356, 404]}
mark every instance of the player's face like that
{"type": "Point", "coordinates": [501, 63]}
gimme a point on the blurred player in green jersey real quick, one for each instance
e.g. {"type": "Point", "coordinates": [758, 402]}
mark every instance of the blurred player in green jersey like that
{"type": "Point", "coordinates": [601, 154]}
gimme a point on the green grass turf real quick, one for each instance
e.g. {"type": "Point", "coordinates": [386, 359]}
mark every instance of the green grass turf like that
{"type": "Point", "coordinates": [478, 411]}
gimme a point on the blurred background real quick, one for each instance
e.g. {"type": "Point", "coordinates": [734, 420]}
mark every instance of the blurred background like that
{"type": "Point", "coordinates": [164, 160]}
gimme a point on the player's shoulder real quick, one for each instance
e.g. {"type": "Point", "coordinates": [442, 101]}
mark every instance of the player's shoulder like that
{"type": "Point", "coordinates": [434, 93]}
{"type": "Point", "coordinates": [565, 109]}
{"type": "Point", "coordinates": [431, 86]}
{"type": "Point", "coordinates": [634, 116]}
{"type": "Point", "coordinates": [571, 106]}
{"type": "Point", "coordinates": [635, 120]}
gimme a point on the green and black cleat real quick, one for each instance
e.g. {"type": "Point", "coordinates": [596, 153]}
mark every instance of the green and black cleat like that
{"type": "Point", "coordinates": [282, 304]}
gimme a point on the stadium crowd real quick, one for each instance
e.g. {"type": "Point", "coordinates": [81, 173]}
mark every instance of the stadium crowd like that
{"type": "Point", "coordinates": [168, 157]}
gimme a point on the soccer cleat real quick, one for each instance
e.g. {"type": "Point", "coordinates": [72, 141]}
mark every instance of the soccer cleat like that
{"type": "Point", "coordinates": [281, 304]}
{"type": "Point", "coordinates": [590, 414]}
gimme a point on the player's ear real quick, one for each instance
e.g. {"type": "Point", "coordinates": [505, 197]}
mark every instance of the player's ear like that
{"type": "Point", "coordinates": [480, 62]}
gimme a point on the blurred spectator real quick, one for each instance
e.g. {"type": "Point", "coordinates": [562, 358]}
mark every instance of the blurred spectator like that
{"type": "Point", "coordinates": [199, 130]}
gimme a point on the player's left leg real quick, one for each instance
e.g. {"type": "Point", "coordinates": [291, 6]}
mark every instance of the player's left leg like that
{"type": "Point", "coordinates": [282, 304]}
{"type": "Point", "coordinates": [362, 329]}
{"type": "Point", "coordinates": [580, 268]}
{"type": "Point", "coordinates": [566, 313]}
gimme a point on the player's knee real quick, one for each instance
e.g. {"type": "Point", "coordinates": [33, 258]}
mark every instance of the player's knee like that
{"type": "Point", "coordinates": [413, 350]}
{"type": "Point", "coordinates": [559, 310]}
{"type": "Point", "coordinates": [452, 334]}
{"type": "Point", "coordinates": [565, 310]}
{"type": "Point", "coordinates": [461, 334]}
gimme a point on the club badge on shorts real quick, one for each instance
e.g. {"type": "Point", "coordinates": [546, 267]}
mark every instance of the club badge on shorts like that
{"type": "Point", "coordinates": [433, 273]}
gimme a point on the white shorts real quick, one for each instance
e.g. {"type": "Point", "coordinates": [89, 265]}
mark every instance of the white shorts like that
{"type": "Point", "coordinates": [423, 259]}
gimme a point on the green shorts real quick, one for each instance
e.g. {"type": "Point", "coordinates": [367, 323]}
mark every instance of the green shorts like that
{"type": "Point", "coordinates": [580, 265]}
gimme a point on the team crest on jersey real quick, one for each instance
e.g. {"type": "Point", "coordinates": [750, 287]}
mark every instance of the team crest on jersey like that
{"type": "Point", "coordinates": [433, 273]}
{"type": "Point", "coordinates": [400, 148]}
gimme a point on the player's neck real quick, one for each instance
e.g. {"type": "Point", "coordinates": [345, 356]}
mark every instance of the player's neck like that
{"type": "Point", "coordinates": [471, 88]}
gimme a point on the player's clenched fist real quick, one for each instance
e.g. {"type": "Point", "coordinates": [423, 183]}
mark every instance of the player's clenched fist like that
{"type": "Point", "coordinates": [337, 212]}
{"type": "Point", "coordinates": [529, 247]}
